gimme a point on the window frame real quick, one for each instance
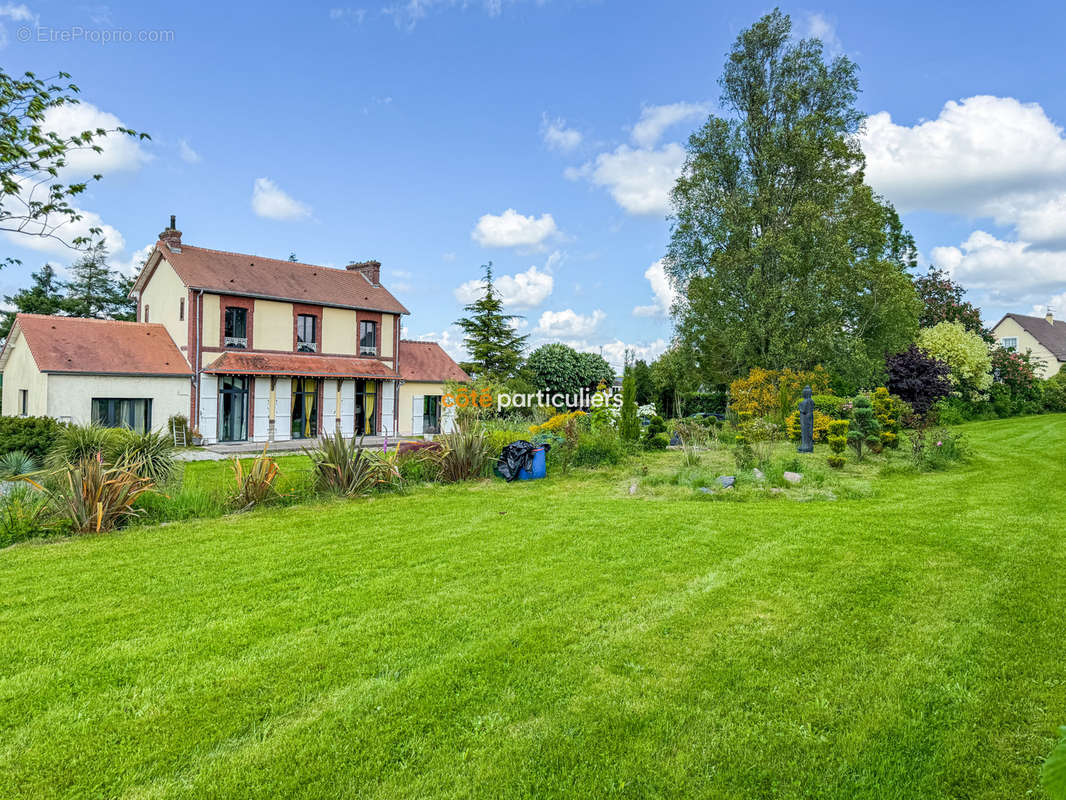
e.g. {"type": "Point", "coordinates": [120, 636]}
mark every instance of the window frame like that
{"type": "Point", "coordinates": [229, 341]}
{"type": "Point", "coordinates": [302, 345]}
{"type": "Point", "coordinates": [114, 416]}
{"type": "Point", "coordinates": [1003, 343]}
{"type": "Point", "coordinates": [24, 402]}
{"type": "Point", "coordinates": [429, 402]}
{"type": "Point", "coordinates": [181, 309]}
{"type": "Point", "coordinates": [372, 326]}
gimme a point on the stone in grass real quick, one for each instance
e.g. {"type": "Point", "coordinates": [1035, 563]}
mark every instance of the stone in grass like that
{"type": "Point", "coordinates": [792, 477]}
{"type": "Point", "coordinates": [632, 488]}
{"type": "Point", "coordinates": [703, 489]}
{"type": "Point", "coordinates": [726, 481]}
{"type": "Point", "coordinates": [758, 473]}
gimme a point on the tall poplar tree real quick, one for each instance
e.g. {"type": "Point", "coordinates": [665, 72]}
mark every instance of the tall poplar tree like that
{"type": "Point", "coordinates": [495, 347]}
{"type": "Point", "coordinates": [783, 256]}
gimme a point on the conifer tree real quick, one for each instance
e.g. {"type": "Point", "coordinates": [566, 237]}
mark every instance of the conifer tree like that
{"type": "Point", "coordinates": [495, 347]}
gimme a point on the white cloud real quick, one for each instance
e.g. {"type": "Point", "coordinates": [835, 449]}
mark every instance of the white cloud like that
{"type": "Point", "coordinates": [408, 13]}
{"type": "Point", "coordinates": [16, 12]}
{"type": "Point", "coordinates": [1008, 271]}
{"type": "Point", "coordinates": [58, 244]}
{"type": "Point", "coordinates": [661, 288]}
{"type": "Point", "coordinates": [557, 136]}
{"type": "Point", "coordinates": [568, 323]}
{"type": "Point", "coordinates": [975, 158]}
{"type": "Point", "coordinates": [450, 339]}
{"type": "Point", "coordinates": [268, 200]}
{"type": "Point", "coordinates": [820, 27]}
{"type": "Point", "coordinates": [188, 155]}
{"type": "Point", "coordinates": [527, 289]}
{"type": "Point", "coordinates": [639, 180]}
{"type": "Point", "coordinates": [654, 120]}
{"type": "Point", "coordinates": [614, 351]}
{"type": "Point", "coordinates": [511, 229]}
{"type": "Point", "coordinates": [1057, 304]}
{"type": "Point", "coordinates": [132, 265]}
{"type": "Point", "coordinates": [119, 151]}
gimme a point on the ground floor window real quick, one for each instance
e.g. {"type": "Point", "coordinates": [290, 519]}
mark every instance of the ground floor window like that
{"type": "Point", "coordinates": [304, 408]}
{"type": "Point", "coordinates": [431, 408]}
{"type": "Point", "coordinates": [121, 412]}
{"type": "Point", "coordinates": [24, 401]}
{"type": "Point", "coordinates": [366, 395]}
{"type": "Point", "coordinates": [232, 408]}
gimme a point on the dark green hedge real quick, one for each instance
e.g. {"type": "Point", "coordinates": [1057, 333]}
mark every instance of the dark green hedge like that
{"type": "Point", "coordinates": [33, 435]}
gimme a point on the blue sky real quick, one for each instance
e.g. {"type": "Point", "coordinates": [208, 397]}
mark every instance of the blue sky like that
{"type": "Point", "coordinates": [434, 136]}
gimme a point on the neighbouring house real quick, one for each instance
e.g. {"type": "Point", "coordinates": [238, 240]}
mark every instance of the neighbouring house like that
{"type": "Point", "coordinates": [103, 371]}
{"type": "Point", "coordinates": [424, 368]}
{"type": "Point", "coordinates": [1044, 337]}
{"type": "Point", "coordinates": [262, 350]}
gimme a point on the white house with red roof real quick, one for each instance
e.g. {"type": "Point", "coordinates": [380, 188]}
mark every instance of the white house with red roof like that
{"type": "Point", "coordinates": [247, 348]}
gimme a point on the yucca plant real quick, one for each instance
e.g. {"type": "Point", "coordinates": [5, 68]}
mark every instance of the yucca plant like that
{"type": "Point", "coordinates": [151, 452]}
{"type": "Point", "coordinates": [255, 484]}
{"type": "Point", "coordinates": [23, 514]}
{"type": "Point", "coordinates": [76, 443]}
{"type": "Point", "coordinates": [342, 466]}
{"type": "Point", "coordinates": [464, 453]}
{"type": "Point", "coordinates": [16, 464]}
{"type": "Point", "coordinates": [386, 465]}
{"type": "Point", "coordinates": [95, 497]}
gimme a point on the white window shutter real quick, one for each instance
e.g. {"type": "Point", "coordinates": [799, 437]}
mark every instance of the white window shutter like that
{"type": "Point", "coordinates": [261, 410]}
{"type": "Point", "coordinates": [282, 410]}
{"type": "Point", "coordinates": [417, 408]}
{"type": "Point", "coordinates": [447, 419]}
{"type": "Point", "coordinates": [209, 408]}
{"type": "Point", "coordinates": [388, 424]}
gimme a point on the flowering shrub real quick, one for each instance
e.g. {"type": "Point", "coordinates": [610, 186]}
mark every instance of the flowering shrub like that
{"type": "Point", "coordinates": [821, 426]}
{"type": "Point", "coordinates": [769, 393]}
{"type": "Point", "coordinates": [1016, 389]}
{"type": "Point", "coordinates": [965, 353]}
{"type": "Point", "coordinates": [647, 411]}
{"type": "Point", "coordinates": [557, 423]}
{"type": "Point", "coordinates": [937, 448]}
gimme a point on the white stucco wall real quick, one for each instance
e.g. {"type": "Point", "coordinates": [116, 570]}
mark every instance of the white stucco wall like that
{"type": "Point", "coordinates": [70, 396]}
{"type": "Point", "coordinates": [20, 372]}
{"type": "Point", "coordinates": [1009, 328]}
{"type": "Point", "coordinates": [163, 295]}
{"type": "Point", "coordinates": [408, 391]}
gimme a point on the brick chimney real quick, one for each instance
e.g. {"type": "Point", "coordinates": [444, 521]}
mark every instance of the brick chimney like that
{"type": "Point", "coordinates": [171, 237]}
{"type": "Point", "coordinates": [371, 270]}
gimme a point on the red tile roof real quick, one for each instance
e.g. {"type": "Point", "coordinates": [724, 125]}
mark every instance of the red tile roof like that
{"type": "Point", "coordinates": [235, 363]}
{"type": "Point", "coordinates": [256, 276]}
{"type": "Point", "coordinates": [100, 346]}
{"type": "Point", "coordinates": [427, 361]}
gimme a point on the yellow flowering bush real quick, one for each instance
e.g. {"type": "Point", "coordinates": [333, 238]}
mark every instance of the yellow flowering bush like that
{"type": "Point", "coordinates": [769, 392]}
{"type": "Point", "coordinates": [557, 423]}
{"type": "Point", "coordinates": [821, 426]}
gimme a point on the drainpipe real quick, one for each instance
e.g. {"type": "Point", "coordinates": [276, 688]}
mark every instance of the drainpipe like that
{"type": "Point", "coordinates": [197, 359]}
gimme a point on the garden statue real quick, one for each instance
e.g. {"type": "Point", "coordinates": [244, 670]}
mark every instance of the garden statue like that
{"type": "Point", "coordinates": [806, 411]}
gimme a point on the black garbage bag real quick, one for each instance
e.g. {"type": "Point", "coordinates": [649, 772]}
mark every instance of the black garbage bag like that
{"type": "Point", "coordinates": [516, 457]}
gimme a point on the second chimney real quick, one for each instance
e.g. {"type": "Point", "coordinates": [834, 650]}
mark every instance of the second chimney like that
{"type": "Point", "coordinates": [1049, 316]}
{"type": "Point", "coordinates": [371, 270]}
{"type": "Point", "coordinates": [171, 237]}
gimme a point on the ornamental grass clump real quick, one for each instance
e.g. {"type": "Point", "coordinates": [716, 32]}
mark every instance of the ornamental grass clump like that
{"type": "Point", "coordinates": [341, 466]}
{"type": "Point", "coordinates": [150, 455]}
{"type": "Point", "coordinates": [838, 442]}
{"type": "Point", "coordinates": [95, 497]}
{"type": "Point", "coordinates": [76, 443]}
{"type": "Point", "coordinates": [15, 464]}
{"type": "Point", "coordinates": [465, 454]}
{"type": "Point", "coordinates": [254, 484]}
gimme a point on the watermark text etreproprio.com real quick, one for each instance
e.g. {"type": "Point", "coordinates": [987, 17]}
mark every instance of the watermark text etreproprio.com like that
{"type": "Point", "coordinates": [77, 33]}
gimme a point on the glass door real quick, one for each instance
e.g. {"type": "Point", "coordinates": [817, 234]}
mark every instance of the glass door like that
{"type": "Point", "coordinates": [304, 408]}
{"type": "Point", "coordinates": [233, 408]}
{"type": "Point", "coordinates": [366, 395]}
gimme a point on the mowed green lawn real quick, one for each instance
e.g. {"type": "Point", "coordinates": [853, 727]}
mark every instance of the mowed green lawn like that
{"type": "Point", "coordinates": [556, 639]}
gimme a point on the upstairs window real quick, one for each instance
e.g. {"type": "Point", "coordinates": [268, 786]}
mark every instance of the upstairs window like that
{"type": "Point", "coordinates": [1009, 343]}
{"type": "Point", "coordinates": [146, 313]}
{"type": "Point", "coordinates": [368, 338]}
{"type": "Point", "coordinates": [24, 401]}
{"type": "Point", "coordinates": [306, 333]}
{"type": "Point", "coordinates": [181, 309]}
{"type": "Point", "coordinates": [236, 333]}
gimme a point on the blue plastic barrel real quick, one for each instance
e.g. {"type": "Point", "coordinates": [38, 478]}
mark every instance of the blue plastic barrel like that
{"type": "Point", "coordinates": [540, 467]}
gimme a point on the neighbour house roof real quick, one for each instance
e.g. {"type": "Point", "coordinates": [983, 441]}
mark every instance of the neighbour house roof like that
{"type": "Point", "coordinates": [309, 366]}
{"type": "Point", "coordinates": [98, 346]}
{"type": "Point", "coordinates": [277, 279]}
{"type": "Point", "coordinates": [427, 361]}
{"type": "Point", "coordinates": [1051, 335]}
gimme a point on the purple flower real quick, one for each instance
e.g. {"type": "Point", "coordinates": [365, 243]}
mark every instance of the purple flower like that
{"type": "Point", "coordinates": [938, 444]}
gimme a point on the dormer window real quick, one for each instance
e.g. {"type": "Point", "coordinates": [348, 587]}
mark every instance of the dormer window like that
{"type": "Point", "coordinates": [306, 333]}
{"type": "Point", "coordinates": [368, 338]}
{"type": "Point", "coordinates": [236, 333]}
